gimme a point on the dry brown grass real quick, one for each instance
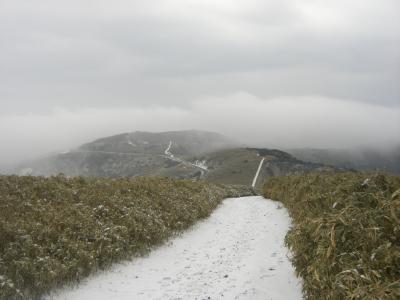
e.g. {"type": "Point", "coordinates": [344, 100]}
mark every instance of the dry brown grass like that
{"type": "Point", "coordinates": [346, 233]}
{"type": "Point", "coordinates": [58, 230]}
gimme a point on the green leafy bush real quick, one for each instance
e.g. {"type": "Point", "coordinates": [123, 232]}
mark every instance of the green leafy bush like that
{"type": "Point", "coordinates": [58, 230]}
{"type": "Point", "coordinates": [345, 237]}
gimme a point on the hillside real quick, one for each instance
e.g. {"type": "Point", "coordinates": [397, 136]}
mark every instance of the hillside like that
{"type": "Point", "coordinates": [132, 154]}
{"type": "Point", "coordinates": [185, 143]}
{"type": "Point", "coordinates": [180, 155]}
{"type": "Point", "coordinates": [238, 166]}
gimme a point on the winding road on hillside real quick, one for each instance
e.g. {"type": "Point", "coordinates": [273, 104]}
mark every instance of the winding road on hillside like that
{"type": "Point", "coordinates": [198, 165]}
{"type": "Point", "coordinates": [237, 253]}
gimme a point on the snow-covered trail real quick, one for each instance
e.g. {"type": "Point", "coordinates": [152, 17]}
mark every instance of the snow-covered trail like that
{"type": "Point", "coordinates": [168, 148]}
{"type": "Point", "coordinates": [257, 173]}
{"type": "Point", "coordinates": [198, 164]}
{"type": "Point", "coordinates": [237, 253]}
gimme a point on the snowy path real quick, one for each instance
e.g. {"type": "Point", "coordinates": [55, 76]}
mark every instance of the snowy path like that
{"type": "Point", "coordinates": [237, 253]}
{"type": "Point", "coordinates": [168, 148]}
{"type": "Point", "coordinates": [198, 164]}
{"type": "Point", "coordinates": [257, 173]}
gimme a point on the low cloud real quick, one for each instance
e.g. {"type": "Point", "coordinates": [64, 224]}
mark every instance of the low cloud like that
{"type": "Point", "coordinates": [277, 122]}
{"type": "Point", "coordinates": [136, 53]}
{"type": "Point", "coordinates": [73, 71]}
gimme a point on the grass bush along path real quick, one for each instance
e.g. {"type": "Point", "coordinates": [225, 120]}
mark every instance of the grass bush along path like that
{"type": "Point", "coordinates": [58, 230]}
{"type": "Point", "coordinates": [237, 253]}
{"type": "Point", "coordinates": [346, 233]}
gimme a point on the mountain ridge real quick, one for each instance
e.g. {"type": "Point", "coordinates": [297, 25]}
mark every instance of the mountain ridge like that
{"type": "Point", "coordinates": [190, 154]}
{"type": "Point", "coordinates": [363, 159]}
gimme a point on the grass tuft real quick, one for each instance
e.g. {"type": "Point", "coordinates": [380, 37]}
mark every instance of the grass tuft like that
{"type": "Point", "coordinates": [345, 237]}
{"type": "Point", "coordinates": [58, 230]}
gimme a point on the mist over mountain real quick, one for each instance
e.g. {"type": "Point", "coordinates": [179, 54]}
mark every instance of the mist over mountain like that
{"type": "Point", "coordinates": [78, 55]}
{"type": "Point", "coordinates": [387, 160]}
{"type": "Point", "coordinates": [130, 154]}
{"type": "Point", "coordinates": [185, 143]}
{"type": "Point", "coordinates": [197, 154]}
{"type": "Point", "coordinates": [282, 123]}
{"type": "Point", "coordinates": [190, 154]}
{"type": "Point", "coordinates": [270, 74]}
{"type": "Point", "coordinates": [125, 122]}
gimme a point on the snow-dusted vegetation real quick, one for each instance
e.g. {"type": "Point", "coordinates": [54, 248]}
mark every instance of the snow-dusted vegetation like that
{"type": "Point", "coordinates": [237, 253]}
{"type": "Point", "coordinates": [346, 234]}
{"type": "Point", "coordinates": [57, 230]}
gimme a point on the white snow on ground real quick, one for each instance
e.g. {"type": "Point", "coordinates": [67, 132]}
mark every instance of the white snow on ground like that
{"type": "Point", "coordinates": [128, 140]}
{"type": "Point", "coordinates": [170, 156]}
{"type": "Point", "coordinates": [167, 152]}
{"type": "Point", "coordinates": [257, 173]}
{"type": "Point", "coordinates": [132, 144]}
{"type": "Point", "coordinates": [26, 172]}
{"type": "Point", "coordinates": [237, 253]}
{"type": "Point", "coordinates": [197, 164]}
{"type": "Point", "coordinates": [201, 164]}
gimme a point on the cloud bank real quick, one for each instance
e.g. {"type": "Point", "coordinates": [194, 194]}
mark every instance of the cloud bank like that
{"type": "Point", "coordinates": [277, 122]}
{"type": "Point", "coordinates": [279, 73]}
{"type": "Point", "coordinates": [100, 54]}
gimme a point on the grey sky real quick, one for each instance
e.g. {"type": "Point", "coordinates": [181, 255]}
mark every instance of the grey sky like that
{"type": "Point", "coordinates": [131, 55]}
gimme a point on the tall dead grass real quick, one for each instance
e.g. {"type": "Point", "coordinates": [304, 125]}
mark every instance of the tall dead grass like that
{"type": "Point", "coordinates": [58, 230]}
{"type": "Point", "coordinates": [345, 237]}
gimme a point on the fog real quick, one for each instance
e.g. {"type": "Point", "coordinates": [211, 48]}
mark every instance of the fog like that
{"type": "Point", "coordinates": [281, 122]}
{"type": "Point", "coordinates": [274, 73]}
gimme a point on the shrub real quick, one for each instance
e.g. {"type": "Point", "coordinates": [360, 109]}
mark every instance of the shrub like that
{"type": "Point", "coordinates": [345, 237]}
{"type": "Point", "coordinates": [57, 230]}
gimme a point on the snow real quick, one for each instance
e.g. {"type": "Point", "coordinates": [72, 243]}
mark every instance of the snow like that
{"type": "Point", "coordinates": [201, 164]}
{"type": "Point", "coordinates": [257, 173]}
{"type": "Point", "coordinates": [167, 152]}
{"type": "Point", "coordinates": [26, 172]}
{"type": "Point", "coordinates": [132, 144]}
{"type": "Point", "coordinates": [365, 183]}
{"type": "Point", "coordinates": [237, 253]}
{"type": "Point", "coordinates": [170, 156]}
{"type": "Point", "coordinates": [197, 164]}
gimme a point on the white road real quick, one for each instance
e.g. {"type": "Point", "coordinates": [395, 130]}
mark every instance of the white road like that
{"type": "Point", "coordinates": [167, 152]}
{"type": "Point", "coordinates": [197, 164]}
{"type": "Point", "coordinates": [237, 253]}
{"type": "Point", "coordinates": [257, 173]}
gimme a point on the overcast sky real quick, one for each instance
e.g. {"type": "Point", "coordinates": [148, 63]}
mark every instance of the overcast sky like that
{"type": "Point", "coordinates": [281, 73]}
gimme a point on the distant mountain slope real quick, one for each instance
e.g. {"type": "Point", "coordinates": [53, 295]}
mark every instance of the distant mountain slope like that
{"type": "Point", "coordinates": [363, 159]}
{"type": "Point", "coordinates": [132, 154]}
{"type": "Point", "coordinates": [101, 164]}
{"type": "Point", "coordinates": [181, 154]}
{"type": "Point", "coordinates": [238, 166]}
{"type": "Point", "coordinates": [184, 143]}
